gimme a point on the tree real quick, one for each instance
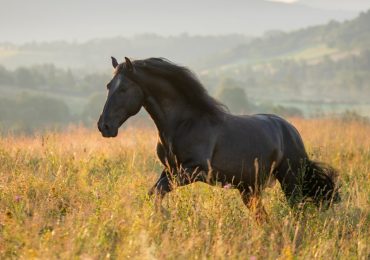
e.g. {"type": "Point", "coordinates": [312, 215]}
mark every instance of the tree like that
{"type": "Point", "coordinates": [233, 96]}
{"type": "Point", "coordinates": [6, 77]}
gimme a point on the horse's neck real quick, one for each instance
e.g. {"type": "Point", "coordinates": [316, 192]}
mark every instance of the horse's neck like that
{"type": "Point", "coordinates": [166, 113]}
{"type": "Point", "coordinates": [156, 113]}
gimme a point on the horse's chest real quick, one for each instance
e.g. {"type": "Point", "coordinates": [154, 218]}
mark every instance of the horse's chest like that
{"type": "Point", "coordinates": [162, 153]}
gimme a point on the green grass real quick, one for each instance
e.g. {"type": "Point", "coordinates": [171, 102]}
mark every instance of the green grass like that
{"type": "Point", "coordinates": [78, 196]}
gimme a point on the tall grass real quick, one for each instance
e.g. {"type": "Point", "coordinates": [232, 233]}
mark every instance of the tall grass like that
{"type": "Point", "coordinates": [77, 195]}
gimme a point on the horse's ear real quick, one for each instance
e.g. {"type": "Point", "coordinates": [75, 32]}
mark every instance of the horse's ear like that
{"type": "Point", "coordinates": [114, 62]}
{"type": "Point", "coordinates": [129, 65]}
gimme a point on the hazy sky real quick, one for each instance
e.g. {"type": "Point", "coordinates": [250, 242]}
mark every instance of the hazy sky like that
{"type": "Point", "coordinates": [47, 20]}
{"type": "Point", "coordinates": [355, 5]}
{"type": "Point", "coordinates": [284, 1]}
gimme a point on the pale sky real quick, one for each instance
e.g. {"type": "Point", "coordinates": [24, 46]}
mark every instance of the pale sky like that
{"type": "Point", "coordinates": [49, 20]}
{"type": "Point", "coordinates": [284, 1]}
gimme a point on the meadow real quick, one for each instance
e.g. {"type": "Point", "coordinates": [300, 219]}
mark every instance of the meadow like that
{"type": "Point", "coordinates": [76, 195]}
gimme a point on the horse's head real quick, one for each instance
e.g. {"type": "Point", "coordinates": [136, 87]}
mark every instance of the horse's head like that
{"type": "Point", "coordinates": [124, 99]}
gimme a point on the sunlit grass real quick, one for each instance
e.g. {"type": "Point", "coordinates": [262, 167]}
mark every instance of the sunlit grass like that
{"type": "Point", "coordinates": [314, 52]}
{"type": "Point", "coordinates": [78, 195]}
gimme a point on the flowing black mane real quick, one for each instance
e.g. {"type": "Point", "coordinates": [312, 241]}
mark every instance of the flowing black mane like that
{"type": "Point", "coordinates": [186, 82]}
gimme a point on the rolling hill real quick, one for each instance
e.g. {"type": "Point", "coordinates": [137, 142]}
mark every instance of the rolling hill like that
{"type": "Point", "coordinates": [330, 39]}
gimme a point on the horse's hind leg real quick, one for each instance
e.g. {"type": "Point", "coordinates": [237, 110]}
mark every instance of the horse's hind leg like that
{"type": "Point", "coordinates": [253, 201]}
{"type": "Point", "coordinates": [288, 174]}
{"type": "Point", "coordinates": [303, 180]}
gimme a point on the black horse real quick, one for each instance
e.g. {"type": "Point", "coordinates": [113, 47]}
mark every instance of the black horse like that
{"type": "Point", "coordinates": [200, 141]}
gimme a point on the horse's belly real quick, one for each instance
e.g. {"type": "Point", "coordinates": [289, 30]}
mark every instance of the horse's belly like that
{"type": "Point", "coordinates": [246, 172]}
{"type": "Point", "coordinates": [246, 162]}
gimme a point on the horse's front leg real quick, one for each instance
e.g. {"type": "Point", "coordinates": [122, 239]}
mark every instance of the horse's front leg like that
{"type": "Point", "coordinates": [184, 176]}
{"type": "Point", "coordinates": [160, 188]}
{"type": "Point", "coordinates": [167, 181]}
{"type": "Point", "coordinates": [162, 185]}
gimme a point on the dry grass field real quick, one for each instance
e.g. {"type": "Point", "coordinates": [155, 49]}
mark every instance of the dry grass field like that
{"type": "Point", "coordinates": [76, 195]}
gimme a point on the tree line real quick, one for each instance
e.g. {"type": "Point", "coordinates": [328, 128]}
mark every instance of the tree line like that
{"type": "Point", "coordinates": [48, 77]}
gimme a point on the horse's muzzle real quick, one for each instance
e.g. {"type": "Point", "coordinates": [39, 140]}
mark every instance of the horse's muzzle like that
{"type": "Point", "coordinates": [107, 130]}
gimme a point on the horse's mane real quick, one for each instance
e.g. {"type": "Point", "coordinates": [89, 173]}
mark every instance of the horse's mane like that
{"type": "Point", "coordinates": [185, 82]}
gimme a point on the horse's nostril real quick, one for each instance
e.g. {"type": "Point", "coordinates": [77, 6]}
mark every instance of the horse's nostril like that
{"type": "Point", "coordinates": [106, 127]}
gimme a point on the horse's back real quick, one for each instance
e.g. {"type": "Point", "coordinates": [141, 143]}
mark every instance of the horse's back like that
{"type": "Point", "coordinates": [259, 129]}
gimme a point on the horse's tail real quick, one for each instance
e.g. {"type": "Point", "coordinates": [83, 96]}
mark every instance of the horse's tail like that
{"type": "Point", "coordinates": [319, 183]}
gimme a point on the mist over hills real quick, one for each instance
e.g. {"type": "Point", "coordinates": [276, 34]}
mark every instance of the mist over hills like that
{"type": "Point", "coordinates": [45, 20]}
{"type": "Point", "coordinates": [354, 5]}
{"type": "Point", "coordinates": [198, 52]}
{"type": "Point", "coordinates": [95, 55]}
{"type": "Point", "coordinates": [324, 64]}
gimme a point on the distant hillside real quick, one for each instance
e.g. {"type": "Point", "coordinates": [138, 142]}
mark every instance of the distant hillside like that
{"type": "Point", "coordinates": [326, 64]}
{"type": "Point", "coordinates": [355, 5]}
{"type": "Point", "coordinates": [95, 54]}
{"type": "Point", "coordinates": [332, 38]}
